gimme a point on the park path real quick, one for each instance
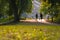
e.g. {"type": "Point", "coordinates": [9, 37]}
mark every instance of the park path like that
{"type": "Point", "coordinates": [43, 21]}
{"type": "Point", "coordinates": [36, 20]}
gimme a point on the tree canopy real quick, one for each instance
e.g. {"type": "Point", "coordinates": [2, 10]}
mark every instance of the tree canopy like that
{"type": "Point", "coordinates": [15, 7]}
{"type": "Point", "coordinates": [50, 6]}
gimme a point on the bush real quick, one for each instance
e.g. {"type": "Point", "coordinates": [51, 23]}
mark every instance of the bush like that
{"type": "Point", "coordinates": [57, 20]}
{"type": "Point", "coordinates": [6, 19]}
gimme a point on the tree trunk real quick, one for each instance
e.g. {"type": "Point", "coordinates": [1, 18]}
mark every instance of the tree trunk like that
{"type": "Point", "coordinates": [14, 9]}
{"type": "Point", "coordinates": [16, 16]}
{"type": "Point", "coordinates": [52, 19]}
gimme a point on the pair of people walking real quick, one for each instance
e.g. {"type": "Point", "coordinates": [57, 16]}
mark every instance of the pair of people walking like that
{"type": "Point", "coordinates": [41, 16]}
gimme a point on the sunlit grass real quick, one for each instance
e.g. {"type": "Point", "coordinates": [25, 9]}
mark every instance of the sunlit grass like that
{"type": "Point", "coordinates": [30, 31]}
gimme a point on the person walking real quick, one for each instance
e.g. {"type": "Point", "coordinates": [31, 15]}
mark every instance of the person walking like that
{"type": "Point", "coordinates": [41, 15]}
{"type": "Point", "coordinates": [36, 17]}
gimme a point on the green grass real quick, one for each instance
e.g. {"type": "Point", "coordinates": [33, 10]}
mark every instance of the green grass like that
{"type": "Point", "coordinates": [30, 31]}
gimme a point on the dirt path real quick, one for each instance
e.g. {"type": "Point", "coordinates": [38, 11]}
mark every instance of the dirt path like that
{"type": "Point", "coordinates": [34, 20]}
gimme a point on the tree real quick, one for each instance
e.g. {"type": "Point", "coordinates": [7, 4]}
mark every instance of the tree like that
{"type": "Point", "coordinates": [44, 7]}
{"type": "Point", "coordinates": [19, 6]}
{"type": "Point", "coordinates": [51, 7]}
{"type": "Point", "coordinates": [54, 8]}
{"type": "Point", "coordinates": [14, 8]}
{"type": "Point", "coordinates": [3, 7]}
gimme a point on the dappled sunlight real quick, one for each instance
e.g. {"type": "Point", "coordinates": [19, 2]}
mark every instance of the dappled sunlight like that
{"type": "Point", "coordinates": [41, 20]}
{"type": "Point", "coordinates": [36, 20]}
{"type": "Point", "coordinates": [32, 20]}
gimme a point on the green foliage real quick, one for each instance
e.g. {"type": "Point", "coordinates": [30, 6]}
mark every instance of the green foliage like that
{"type": "Point", "coordinates": [57, 19]}
{"type": "Point", "coordinates": [26, 5]}
{"type": "Point", "coordinates": [14, 7]}
{"type": "Point", "coordinates": [9, 18]}
{"type": "Point", "coordinates": [44, 7]}
{"type": "Point", "coordinates": [50, 6]}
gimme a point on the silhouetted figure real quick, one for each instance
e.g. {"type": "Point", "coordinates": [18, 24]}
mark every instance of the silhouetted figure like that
{"type": "Point", "coordinates": [41, 15]}
{"type": "Point", "coordinates": [36, 16]}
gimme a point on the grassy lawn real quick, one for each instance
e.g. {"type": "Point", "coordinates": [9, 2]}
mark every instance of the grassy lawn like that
{"type": "Point", "coordinates": [30, 31]}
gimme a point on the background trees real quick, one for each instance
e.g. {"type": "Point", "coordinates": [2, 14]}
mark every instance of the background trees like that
{"type": "Point", "coordinates": [52, 7]}
{"type": "Point", "coordinates": [19, 6]}
{"type": "Point", "coordinates": [15, 7]}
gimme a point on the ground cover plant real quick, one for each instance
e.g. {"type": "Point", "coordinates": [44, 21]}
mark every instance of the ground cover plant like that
{"type": "Point", "coordinates": [30, 31]}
